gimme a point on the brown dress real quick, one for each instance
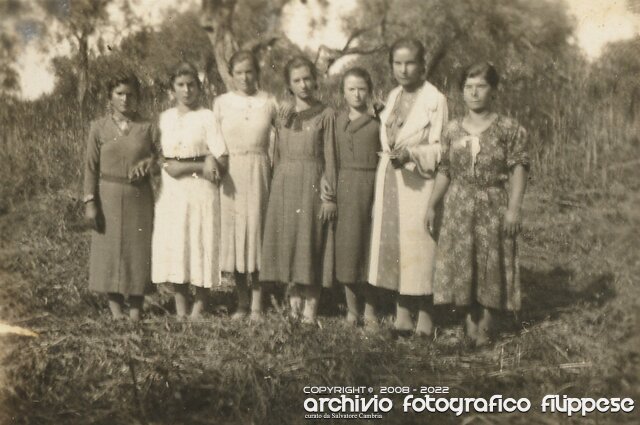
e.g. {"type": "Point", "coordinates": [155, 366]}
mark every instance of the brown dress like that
{"type": "Point", "coordinates": [358, 144]}
{"type": "Point", "coordinates": [297, 247]}
{"type": "Point", "coordinates": [476, 262]}
{"type": "Point", "coordinates": [120, 260]}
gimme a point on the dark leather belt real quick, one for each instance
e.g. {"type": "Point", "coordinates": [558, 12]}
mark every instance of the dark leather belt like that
{"type": "Point", "coordinates": [360, 167]}
{"type": "Point", "coordinates": [187, 159]}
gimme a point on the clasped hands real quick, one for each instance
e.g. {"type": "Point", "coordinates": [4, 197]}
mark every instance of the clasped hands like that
{"type": "Point", "coordinates": [399, 157]}
{"type": "Point", "coordinates": [211, 170]}
{"type": "Point", "coordinates": [141, 169]}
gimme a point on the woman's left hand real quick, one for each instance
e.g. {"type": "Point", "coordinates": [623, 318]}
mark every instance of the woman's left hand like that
{"type": "Point", "coordinates": [399, 157]}
{"type": "Point", "coordinates": [328, 212]}
{"type": "Point", "coordinates": [140, 170]}
{"type": "Point", "coordinates": [512, 223]}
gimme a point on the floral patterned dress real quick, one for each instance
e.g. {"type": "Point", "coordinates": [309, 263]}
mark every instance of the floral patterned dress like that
{"type": "Point", "coordinates": [476, 261]}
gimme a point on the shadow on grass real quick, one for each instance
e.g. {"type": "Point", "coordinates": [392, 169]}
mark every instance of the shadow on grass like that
{"type": "Point", "coordinates": [548, 293]}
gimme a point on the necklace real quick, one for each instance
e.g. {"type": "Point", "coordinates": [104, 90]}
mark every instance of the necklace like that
{"type": "Point", "coordinates": [122, 123]}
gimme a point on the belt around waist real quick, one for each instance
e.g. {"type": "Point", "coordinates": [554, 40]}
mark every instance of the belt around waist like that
{"type": "Point", "coordinates": [243, 153]}
{"type": "Point", "coordinates": [301, 159]}
{"type": "Point", "coordinates": [122, 180]}
{"type": "Point", "coordinates": [187, 159]}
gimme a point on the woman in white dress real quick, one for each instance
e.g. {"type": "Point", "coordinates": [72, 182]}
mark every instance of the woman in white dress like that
{"type": "Point", "coordinates": [245, 118]}
{"type": "Point", "coordinates": [185, 246]}
{"type": "Point", "coordinates": [402, 250]}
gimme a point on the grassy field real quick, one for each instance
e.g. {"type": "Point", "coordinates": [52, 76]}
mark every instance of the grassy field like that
{"type": "Point", "coordinates": [577, 333]}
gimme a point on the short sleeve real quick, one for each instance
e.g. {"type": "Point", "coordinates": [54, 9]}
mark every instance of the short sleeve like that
{"type": "Point", "coordinates": [518, 147]}
{"type": "Point", "coordinates": [445, 144]}
{"type": "Point", "coordinates": [214, 139]}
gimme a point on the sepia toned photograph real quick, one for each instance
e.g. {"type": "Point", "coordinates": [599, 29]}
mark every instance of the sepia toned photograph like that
{"type": "Point", "coordinates": [319, 211]}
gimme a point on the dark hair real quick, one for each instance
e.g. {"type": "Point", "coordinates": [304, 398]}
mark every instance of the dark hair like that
{"type": "Point", "coordinates": [357, 72]}
{"type": "Point", "coordinates": [485, 70]}
{"type": "Point", "coordinates": [123, 77]}
{"type": "Point", "coordinates": [411, 44]}
{"type": "Point", "coordinates": [184, 68]}
{"type": "Point", "coordinates": [299, 62]}
{"type": "Point", "coordinates": [243, 55]}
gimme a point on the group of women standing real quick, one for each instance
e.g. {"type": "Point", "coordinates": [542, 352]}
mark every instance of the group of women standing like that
{"type": "Point", "coordinates": [353, 196]}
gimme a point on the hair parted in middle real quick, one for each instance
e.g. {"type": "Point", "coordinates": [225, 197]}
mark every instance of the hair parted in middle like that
{"type": "Point", "coordinates": [357, 72]}
{"type": "Point", "coordinates": [484, 69]}
{"type": "Point", "coordinates": [243, 55]}
{"type": "Point", "coordinates": [299, 62]}
{"type": "Point", "coordinates": [185, 68]}
{"type": "Point", "coordinates": [408, 43]}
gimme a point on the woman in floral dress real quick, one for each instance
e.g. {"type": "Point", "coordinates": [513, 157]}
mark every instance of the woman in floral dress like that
{"type": "Point", "coordinates": [482, 178]}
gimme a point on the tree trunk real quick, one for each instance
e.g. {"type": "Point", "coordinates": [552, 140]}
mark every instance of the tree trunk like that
{"type": "Point", "coordinates": [83, 68]}
{"type": "Point", "coordinates": [216, 19]}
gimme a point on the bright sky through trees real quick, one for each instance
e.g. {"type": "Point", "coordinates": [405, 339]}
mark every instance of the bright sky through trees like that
{"type": "Point", "coordinates": [598, 22]}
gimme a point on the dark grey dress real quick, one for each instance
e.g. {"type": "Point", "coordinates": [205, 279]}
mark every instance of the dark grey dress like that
{"type": "Point", "coordinates": [120, 259]}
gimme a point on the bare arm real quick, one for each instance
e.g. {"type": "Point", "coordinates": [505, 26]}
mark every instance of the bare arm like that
{"type": "Point", "coordinates": [517, 186]}
{"type": "Point", "coordinates": [178, 169]}
{"type": "Point", "coordinates": [440, 187]}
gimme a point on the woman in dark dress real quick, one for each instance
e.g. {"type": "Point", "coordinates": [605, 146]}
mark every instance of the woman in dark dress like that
{"type": "Point", "coordinates": [358, 142]}
{"type": "Point", "coordinates": [298, 245]}
{"type": "Point", "coordinates": [118, 198]}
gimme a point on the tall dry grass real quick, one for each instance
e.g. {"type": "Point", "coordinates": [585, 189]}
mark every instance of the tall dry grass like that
{"type": "Point", "coordinates": [578, 141]}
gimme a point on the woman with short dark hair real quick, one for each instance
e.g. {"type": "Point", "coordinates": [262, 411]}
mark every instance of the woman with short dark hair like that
{"type": "Point", "coordinates": [186, 234]}
{"type": "Point", "coordinates": [482, 179]}
{"type": "Point", "coordinates": [358, 143]}
{"type": "Point", "coordinates": [118, 198]}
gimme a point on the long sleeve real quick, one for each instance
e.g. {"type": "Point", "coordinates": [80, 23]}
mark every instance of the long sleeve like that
{"type": "Point", "coordinates": [273, 132]}
{"type": "Point", "coordinates": [156, 146]}
{"type": "Point", "coordinates": [92, 163]}
{"type": "Point", "coordinates": [426, 155]}
{"type": "Point", "coordinates": [330, 173]}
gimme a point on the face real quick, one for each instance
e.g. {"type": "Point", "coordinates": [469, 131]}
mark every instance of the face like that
{"type": "Point", "coordinates": [356, 91]}
{"type": "Point", "coordinates": [302, 83]}
{"type": "Point", "coordinates": [407, 68]}
{"type": "Point", "coordinates": [124, 99]}
{"type": "Point", "coordinates": [245, 76]}
{"type": "Point", "coordinates": [477, 94]}
{"type": "Point", "coordinates": [186, 89]}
